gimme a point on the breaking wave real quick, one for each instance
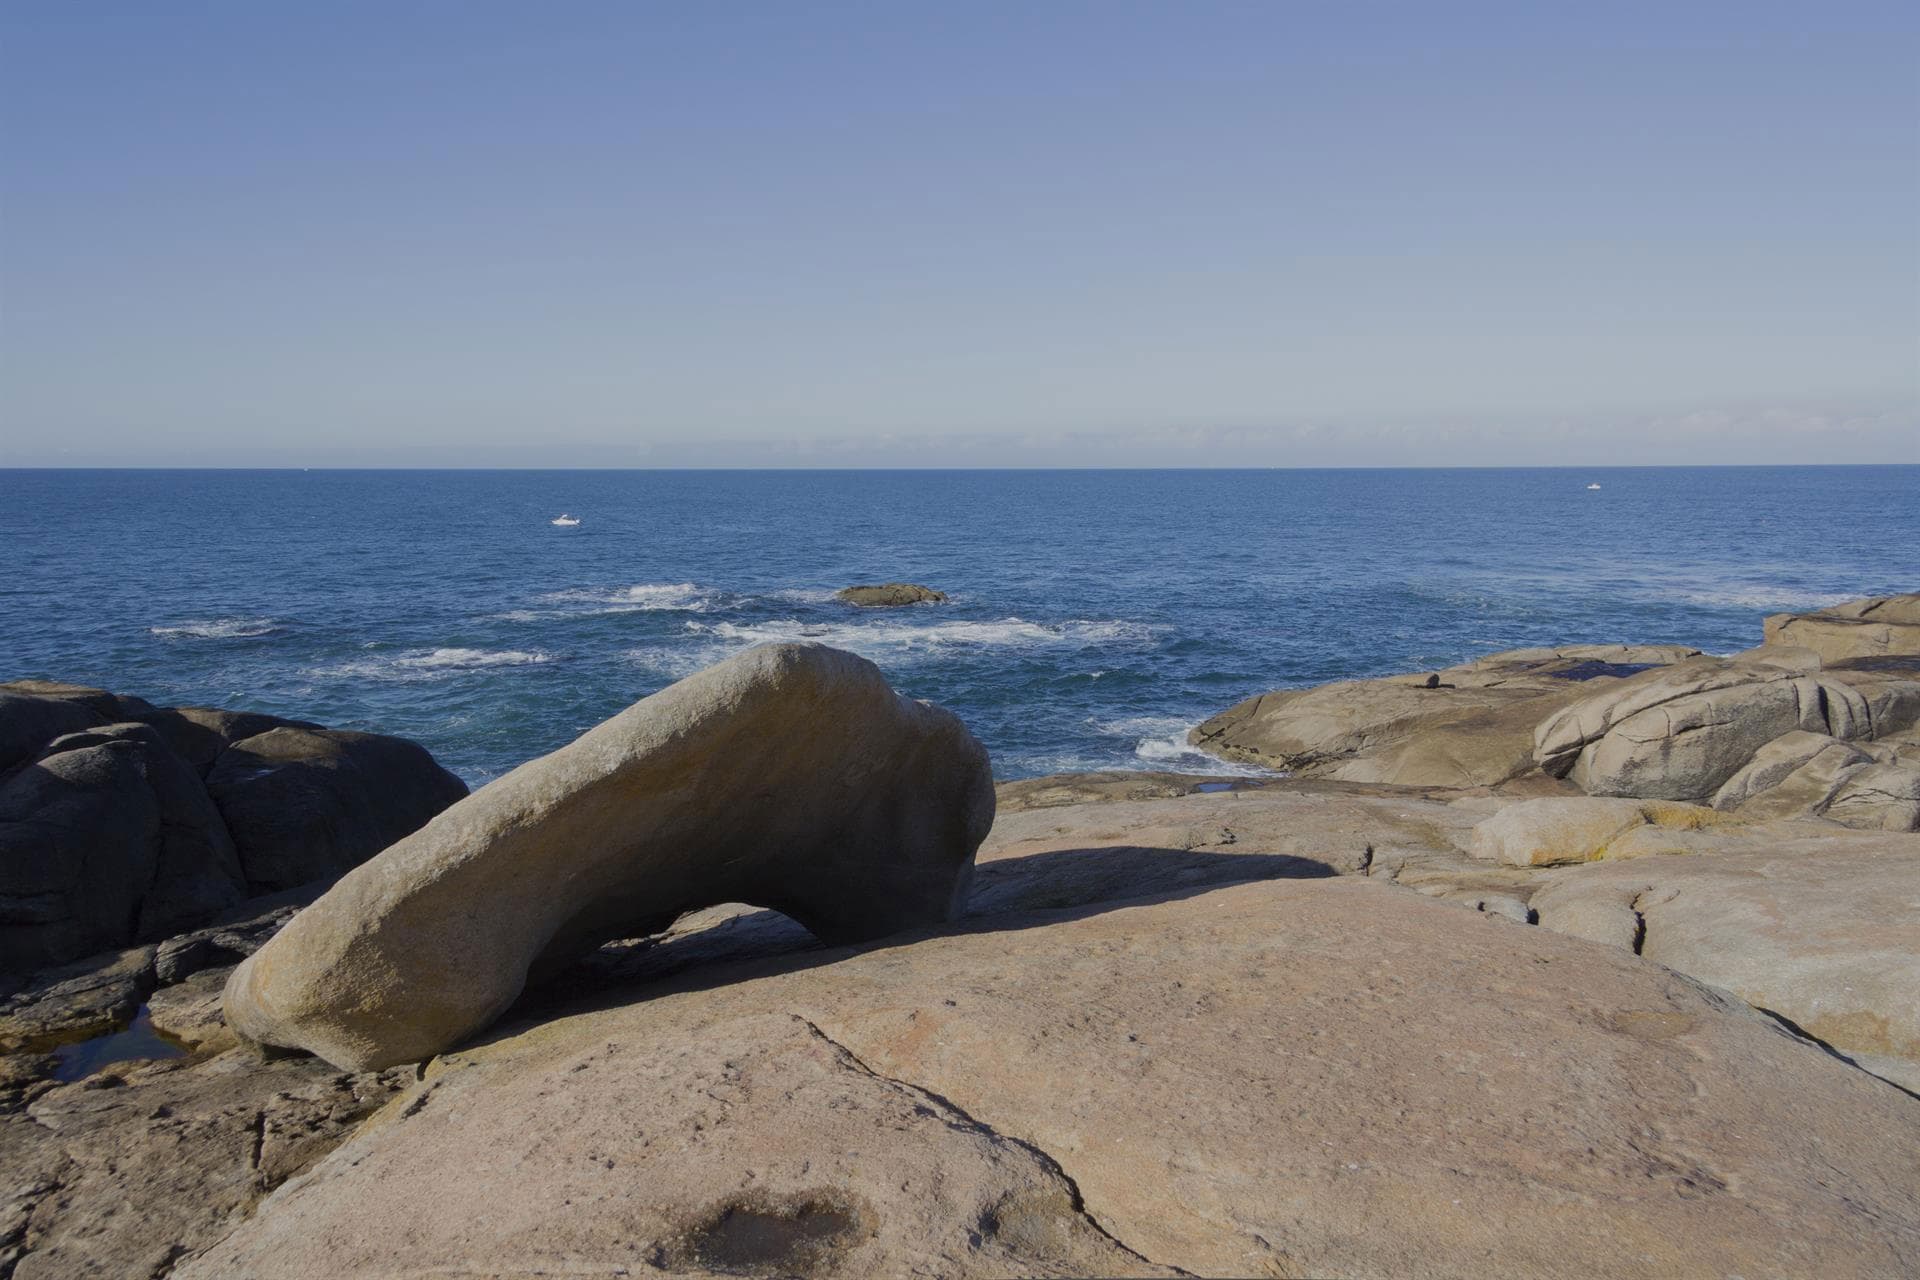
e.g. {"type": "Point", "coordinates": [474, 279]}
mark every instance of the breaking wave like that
{"type": "Point", "coordinates": [427, 664]}
{"type": "Point", "coordinates": [644, 597]}
{"type": "Point", "coordinates": [219, 629]}
{"type": "Point", "coordinates": [1161, 742]}
{"type": "Point", "coordinates": [895, 636]}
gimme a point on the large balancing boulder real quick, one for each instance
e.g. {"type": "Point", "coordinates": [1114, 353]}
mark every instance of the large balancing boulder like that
{"type": "Point", "coordinates": [790, 777]}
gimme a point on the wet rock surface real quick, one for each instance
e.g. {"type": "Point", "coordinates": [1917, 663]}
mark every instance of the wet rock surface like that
{"type": "Point", "coordinates": [890, 595]}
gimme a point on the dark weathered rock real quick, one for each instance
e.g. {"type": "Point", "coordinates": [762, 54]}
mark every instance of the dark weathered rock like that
{"type": "Point", "coordinates": [107, 837]}
{"type": "Point", "coordinates": [790, 776]}
{"type": "Point", "coordinates": [310, 804]}
{"type": "Point", "coordinates": [889, 594]}
{"type": "Point", "coordinates": [122, 821]}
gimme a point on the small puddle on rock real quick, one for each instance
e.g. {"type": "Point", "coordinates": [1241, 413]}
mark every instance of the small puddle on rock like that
{"type": "Point", "coordinates": [139, 1041]}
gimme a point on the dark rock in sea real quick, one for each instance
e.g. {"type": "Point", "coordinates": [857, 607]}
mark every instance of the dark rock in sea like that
{"type": "Point", "coordinates": [890, 594]}
{"type": "Point", "coordinates": [123, 822]}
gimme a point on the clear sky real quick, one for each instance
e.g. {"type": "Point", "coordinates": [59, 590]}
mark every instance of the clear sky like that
{"type": "Point", "coordinates": [982, 233]}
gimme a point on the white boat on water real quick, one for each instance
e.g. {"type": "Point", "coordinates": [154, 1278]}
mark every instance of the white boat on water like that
{"type": "Point", "coordinates": [1591, 486]}
{"type": "Point", "coordinates": [564, 519]}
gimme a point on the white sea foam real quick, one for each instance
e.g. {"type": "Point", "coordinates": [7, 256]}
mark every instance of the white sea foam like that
{"type": "Point", "coordinates": [644, 597]}
{"type": "Point", "coordinates": [676, 662]}
{"type": "Point", "coordinates": [896, 636]}
{"type": "Point", "coordinates": [429, 664]}
{"type": "Point", "coordinates": [1161, 741]}
{"type": "Point", "coordinates": [467, 659]}
{"type": "Point", "coordinates": [219, 629]}
{"type": "Point", "coordinates": [893, 642]}
{"type": "Point", "coordinates": [1754, 596]}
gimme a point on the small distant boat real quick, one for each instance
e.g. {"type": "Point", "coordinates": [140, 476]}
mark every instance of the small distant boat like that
{"type": "Point", "coordinates": [569, 521]}
{"type": "Point", "coordinates": [1591, 486]}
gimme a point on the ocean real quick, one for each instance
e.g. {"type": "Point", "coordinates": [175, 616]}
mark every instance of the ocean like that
{"type": "Point", "coordinates": [1095, 615]}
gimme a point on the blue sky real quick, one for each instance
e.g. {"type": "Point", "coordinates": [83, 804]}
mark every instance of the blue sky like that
{"type": "Point", "coordinates": [967, 234]}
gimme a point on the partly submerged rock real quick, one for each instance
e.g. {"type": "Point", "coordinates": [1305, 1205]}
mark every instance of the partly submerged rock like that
{"type": "Point", "coordinates": [888, 594]}
{"type": "Point", "coordinates": [790, 776]}
{"type": "Point", "coordinates": [1297, 1077]}
{"type": "Point", "coordinates": [1882, 626]}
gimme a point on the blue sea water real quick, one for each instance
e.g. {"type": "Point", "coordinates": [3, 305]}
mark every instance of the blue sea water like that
{"type": "Point", "coordinates": [1095, 615]}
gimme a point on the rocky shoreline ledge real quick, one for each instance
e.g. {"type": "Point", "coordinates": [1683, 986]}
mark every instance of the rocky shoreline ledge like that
{"type": "Point", "coordinates": [1591, 960]}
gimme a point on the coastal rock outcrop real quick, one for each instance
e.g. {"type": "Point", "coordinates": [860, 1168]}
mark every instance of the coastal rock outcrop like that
{"type": "Point", "coordinates": [1814, 775]}
{"type": "Point", "coordinates": [121, 821]}
{"type": "Point", "coordinates": [1382, 1085]}
{"type": "Point", "coordinates": [1684, 732]}
{"type": "Point", "coordinates": [1883, 626]}
{"type": "Point", "coordinates": [1825, 938]}
{"type": "Point", "coordinates": [1815, 924]}
{"type": "Point", "coordinates": [791, 776]}
{"type": "Point", "coordinates": [1149, 968]}
{"type": "Point", "coordinates": [125, 1172]}
{"type": "Point", "coordinates": [1469, 725]}
{"type": "Point", "coordinates": [889, 595]}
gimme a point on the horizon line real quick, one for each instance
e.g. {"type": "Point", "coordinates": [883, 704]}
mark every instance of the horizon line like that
{"type": "Point", "coordinates": [894, 470]}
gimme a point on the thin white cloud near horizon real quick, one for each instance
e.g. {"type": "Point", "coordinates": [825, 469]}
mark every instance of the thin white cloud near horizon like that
{"type": "Point", "coordinates": [1768, 435]}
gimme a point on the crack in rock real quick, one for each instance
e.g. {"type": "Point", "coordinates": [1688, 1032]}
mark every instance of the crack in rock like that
{"type": "Point", "coordinates": [960, 1117]}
